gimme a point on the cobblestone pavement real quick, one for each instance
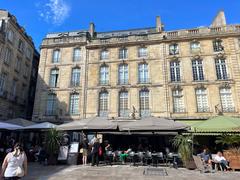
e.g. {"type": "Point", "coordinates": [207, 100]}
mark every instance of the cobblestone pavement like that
{"type": "Point", "coordinates": [119, 172]}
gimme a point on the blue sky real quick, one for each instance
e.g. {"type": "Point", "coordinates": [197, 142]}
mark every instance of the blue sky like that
{"type": "Point", "coordinates": [40, 17]}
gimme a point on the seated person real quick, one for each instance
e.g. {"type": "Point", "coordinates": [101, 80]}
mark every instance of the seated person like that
{"type": "Point", "coordinates": [221, 160]}
{"type": "Point", "coordinates": [206, 157]}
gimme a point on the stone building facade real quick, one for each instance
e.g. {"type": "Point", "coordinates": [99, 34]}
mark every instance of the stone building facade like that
{"type": "Point", "coordinates": [16, 54]}
{"type": "Point", "coordinates": [183, 74]}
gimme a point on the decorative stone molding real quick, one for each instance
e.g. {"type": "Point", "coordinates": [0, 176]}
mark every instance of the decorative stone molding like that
{"type": "Point", "coordinates": [196, 57]}
{"type": "Point", "coordinates": [103, 89]}
{"type": "Point", "coordinates": [144, 88]}
{"type": "Point", "coordinates": [220, 56]}
{"type": "Point", "coordinates": [200, 86]}
{"type": "Point", "coordinates": [225, 85]}
{"type": "Point", "coordinates": [174, 58]}
{"type": "Point", "coordinates": [176, 87]}
{"type": "Point", "coordinates": [123, 89]}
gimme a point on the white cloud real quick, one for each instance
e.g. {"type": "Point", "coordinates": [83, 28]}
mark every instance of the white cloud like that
{"type": "Point", "coordinates": [54, 11]}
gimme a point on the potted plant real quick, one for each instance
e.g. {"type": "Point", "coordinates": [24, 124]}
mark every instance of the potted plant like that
{"type": "Point", "coordinates": [232, 152]}
{"type": "Point", "coordinates": [53, 138]}
{"type": "Point", "coordinates": [183, 144]}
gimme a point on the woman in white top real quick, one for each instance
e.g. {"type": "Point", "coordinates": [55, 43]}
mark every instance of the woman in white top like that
{"type": "Point", "coordinates": [221, 160]}
{"type": "Point", "coordinates": [15, 164]}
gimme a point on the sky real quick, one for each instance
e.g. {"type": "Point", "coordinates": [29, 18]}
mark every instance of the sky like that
{"type": "Point", "coordinates": [40, 17]}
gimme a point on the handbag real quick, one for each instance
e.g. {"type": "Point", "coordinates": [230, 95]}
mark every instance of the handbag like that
{"type": "Point", "coordinates": [19, 172]}
{"type": "Point", "coordinates": [81, 150]}
{"type": "Point", "coordinates": [100, 152]}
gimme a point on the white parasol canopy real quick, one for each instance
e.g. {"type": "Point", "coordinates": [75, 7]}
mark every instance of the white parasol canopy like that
{"type": "Point", "coordinates": [9, 126]}
{"type": "Point", "coordinates": [44, 125]}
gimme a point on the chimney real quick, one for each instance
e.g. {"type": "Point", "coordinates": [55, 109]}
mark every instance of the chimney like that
{"type": "Point", "coordinates": [159, 25]}
{"type": "Point", "coordinates": [92, 29]}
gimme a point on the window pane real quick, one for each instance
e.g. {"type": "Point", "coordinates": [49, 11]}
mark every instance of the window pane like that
{"type": "Point", "coordinates": [75, 77]}
{"type": "Point", "coordinates": [226, 100]}
{"type": "Point", "coordinates": [175, 71]}
{"type": "Point", "coordinates": [197, 70]}
{"type": "Point", "coordinates": [123, 74]}
{"type": "Point", "coordinates": [144, 103]}
{"type": "Point", "coordinates": [54, 78]}
{"type": "Point", "coordinates": [143, 73]}
{"type": "Point", "coordinates": [51, 104]}
{"type": "Point", "coordinates": [104, 75]}
{"type": "Point", "coordinates": [56, 56]}
{"type": "Point", "coordinates": [217, 46]}
{"type": "Point", "coordinates": [123, 104]}
{"type": "Point", "coordinates": [178, 102]}
{"type": "Point", "coordinates": [202, 100]}
{"type": "Point", "coordinates": [77, 54]}
{"type": "Point", "coordinates": [123, 53]}
{"type": "Point", "coordinates": [173, 49]}
{"type": "Point", "coordinates": [104, 55]}
{"type": "Point", "coordinates": [142, 52]}
{"type": "Point", "coordinates": [74, 104]}
{"type": "Point", "coordinates": [221, 69]}
{"type": "Point", "coordinates": [103, 104]}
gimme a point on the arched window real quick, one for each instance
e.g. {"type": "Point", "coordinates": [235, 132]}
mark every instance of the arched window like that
{"type": "Point", "coordinates": [178, 101]}
{"type": "Point", "coordinates": [123, 104]}
{"type": "Point", "coordinates": [143, 76]}
{"type": "Point", "coordinates": [103, 104]}
{"type": "Point", "coordinates": [51, 104]}
{"type": "Point", "coordinates": [144, 103]}
{"type": "Point", "coordinates": [197, 69]}
{"type": "Point", "coordinates": [202, 100]}
{"type": "Point", "coordinates": [123, 74]}
{"type": "Point", "coordinates": [226, 100]}
{"type": "Point", "coordinates": [175, 71]}
{"type": "Point", "coordinates": [54, 78]}
{"type": "Point", "coordinates": [74, 104]}
{"type": "Point", "coordinates": [56, 56]}
{"type": "Point", "coordinates": [75, 80]}
{"type": "Point", "coordinates": [104, 75]}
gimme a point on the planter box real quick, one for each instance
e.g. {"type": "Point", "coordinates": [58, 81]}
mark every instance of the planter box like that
{"type": "Point", "coordinates": [233, 158]}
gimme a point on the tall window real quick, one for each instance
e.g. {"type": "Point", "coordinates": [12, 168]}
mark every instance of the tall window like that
{"type": "Point", "coordinates": [14, 88]}
{"type": "Point", "coordinates": [197, 69]}
{"type": "Point", "coordinates": [144, 103]}
{"type": "Point", "coordinates": [54, 78]}
{"type": "Point", "coordinates": [217, 45]}
{"type": "Point", "coordinates": [178, 101]}
{"type": "Point", "coordinates": [2, 82]}
{"type": "Point", "coordinates": [18, 64]}
{"type": "Point", "coordinates": [74, 104]}
{"type": "Point", "coordinates": [56, 56]}
{"type": "Point", "coordinates": [173, 49]}
{"type": "Point", "coordinates": [143, 73]}
{"type": "Point", "coordinates": [104, 54]}
{"type": "Point", "coordinates": [8, 55]}
{"type": "Point", "coordinates": [123, 53]}
{"type": "Point", "coordinates": [75, 81]}
{"type": "Point", "coordinates": [221, 69]}
{"type": "Point", "coordinates": [76, 54]}
{"type": "Point", "coordinates": [51, 104]}
{"type": "Point", "coordinates": [202, 100]}
{"type": "Point", "coordinates": [226, 100]}
{"type": "Point", "coordinates": [104, 75]}
{"type": "Point", "coordinates": [20, 45]}
{"type": "Point", "coordinates": [142, 52]}
{"type": "Point", "coordinates": [123, 74]}
{"type": "Point", "coordinates": [123, 104]}
{"type": "Point", "coordinates": [29, 53]}
{"type": "Point", "coordinates": [10, 35]}
{"type": "Point", "coordinates": [175, 71]}
{"type": "Point", "coordinates": [195, 46]}
{"type": "Point", "coordinates": [103, 104]}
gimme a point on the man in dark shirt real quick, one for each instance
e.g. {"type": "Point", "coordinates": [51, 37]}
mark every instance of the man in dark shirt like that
{"type": "Point", "coordinates": [95, 152]}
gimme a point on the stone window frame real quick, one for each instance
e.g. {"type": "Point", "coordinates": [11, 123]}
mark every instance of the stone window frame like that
{"type": "Point", "coordinates": [70, 104]}
{"type": "Point", "coordinates": [100, 54]}
{"type": "Point", "coordinates": [56, 83]}
{"type": "Point", "coordinates": [147, 111]}
{"type": "Point", "coordinates": [73, 54]}
{"type": "Point", "coordinates": [221, 68]}
{"type": "Point", "coordinates": [103, 111]}
{"type": "Point", "coordinates": [199, 68]}
{"type": "Point", "coordinates": [59, 56]}
{"type": "Point", "coordinates": [53, 112]}
{"type": "Point", "coordinates": [229, 109]}
{"type": "Point", "coordinates": [178, 88]}
{"type": "Point", "coordinates": [125, 81]}
{"type": "Point", "coordinates": [176, 49]}
{"type": "Point", "coordinates": [72, 84]}
{"type": "Point", "coordinates": [138, 51]}
{"type": "Point", "coordinates": [119, 102]}
{"type": "Point", "coordinates": [146, 79]}
{"type": "Point", "coordinates": [204, 109]}
{"type": "Point", "coordinates": [218, 45]}
{"type": "Point", "coordinates": [177, 76]}
{"type": "Point", "coordinates": [123, 56]}
{"type": "Point", "coordinates": [105, 81]}
{"type": "Point", "coordinates": [197, 49]}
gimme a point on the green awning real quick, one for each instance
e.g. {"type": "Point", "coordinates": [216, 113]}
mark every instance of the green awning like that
{"type": "Point", "coordinates": [219, 124]}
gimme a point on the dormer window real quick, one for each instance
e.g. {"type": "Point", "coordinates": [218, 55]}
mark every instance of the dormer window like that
{"type": "Point", "coordinates": [173, 49]}
{"type": "Point", "coordinates": [217, 45]}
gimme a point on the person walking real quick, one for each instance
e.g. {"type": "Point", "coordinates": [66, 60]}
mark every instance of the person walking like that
{"type": "Point", "coordinates": [84, 151]}
{"type": "Point", "coordinates": [95, 152]}
{"type": "Point", "coordinates": [15, 164]}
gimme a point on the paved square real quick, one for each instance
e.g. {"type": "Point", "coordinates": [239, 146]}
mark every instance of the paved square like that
{"type": "Point", "coordinates": [119, 172]}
